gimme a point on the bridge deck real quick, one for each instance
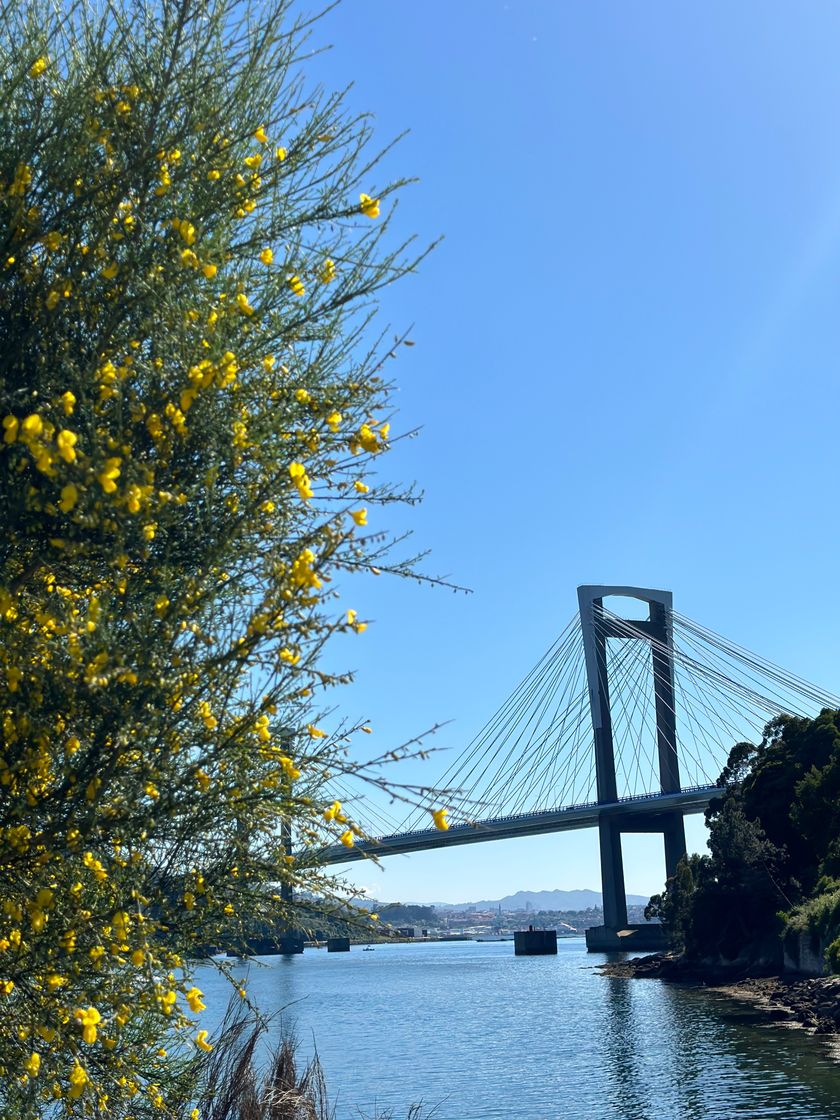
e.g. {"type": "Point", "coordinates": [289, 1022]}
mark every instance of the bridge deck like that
{"type": "Point", "coordinates": [691, 800]}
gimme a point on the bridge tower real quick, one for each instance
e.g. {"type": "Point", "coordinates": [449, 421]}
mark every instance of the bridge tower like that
{"type": "Point", "coordinates": [656, 629]}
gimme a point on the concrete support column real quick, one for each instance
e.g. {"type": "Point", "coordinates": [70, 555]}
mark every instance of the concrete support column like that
{"type": "Point", "coordinates": [612, 874]}
{"type": "Point", "coordinates": [286, 839]}
{"type": "Point", "coordinates": [675, 848]}
{"type": "Point", "coordinates": [661, 649]}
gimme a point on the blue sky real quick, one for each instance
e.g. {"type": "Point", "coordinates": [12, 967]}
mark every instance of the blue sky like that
{"type": "Point", "coordinates": [626, 353]}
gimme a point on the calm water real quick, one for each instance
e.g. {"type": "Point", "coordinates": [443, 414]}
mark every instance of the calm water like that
{"type": "Point", "coordinates": [479, 1034]}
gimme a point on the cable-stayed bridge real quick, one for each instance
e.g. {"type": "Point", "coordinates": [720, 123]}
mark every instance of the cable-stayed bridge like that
{"type": "Point", "coordinates": [625, 724]}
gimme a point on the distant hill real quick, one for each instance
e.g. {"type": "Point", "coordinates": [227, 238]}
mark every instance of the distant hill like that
{"type": "Point", "coordinates": [541, 900]}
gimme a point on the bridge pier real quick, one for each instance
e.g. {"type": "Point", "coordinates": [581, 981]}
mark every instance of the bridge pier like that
{"type": "Point", "coordinates": [612, 873]}
{"type": "Point", "coordinates": [596, 628]}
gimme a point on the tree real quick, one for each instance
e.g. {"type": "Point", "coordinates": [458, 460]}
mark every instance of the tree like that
{"type": "Point", "coordinates": [774, 839]}
{"type": "Point", "coordinates": [674, 907]}
{"type": "Point", "coordinates": [192, 411]}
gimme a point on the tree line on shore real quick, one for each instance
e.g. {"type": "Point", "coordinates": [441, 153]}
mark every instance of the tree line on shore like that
{"type": "Point", "coordinates": [772, 872]}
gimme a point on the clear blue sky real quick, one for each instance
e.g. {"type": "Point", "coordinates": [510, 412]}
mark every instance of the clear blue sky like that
{"type": "Point", "coordinates": [627, 354]}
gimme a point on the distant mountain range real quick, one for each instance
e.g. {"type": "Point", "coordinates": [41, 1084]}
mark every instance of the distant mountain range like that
{"type": "Point", "coordinates": [540, 900]}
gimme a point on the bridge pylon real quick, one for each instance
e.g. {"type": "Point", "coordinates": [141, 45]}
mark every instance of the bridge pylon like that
{"type": "Point", "coordinates": [614, 819]}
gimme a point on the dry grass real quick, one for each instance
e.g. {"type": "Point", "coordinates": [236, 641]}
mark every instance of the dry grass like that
{"type": "Point", "coordinates": [234, 1089]}
{"type": "Point", "coordinates": [235, 1086]}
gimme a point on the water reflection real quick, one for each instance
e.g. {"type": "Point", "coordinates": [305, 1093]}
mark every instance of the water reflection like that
{"type": "Point", "coordinates": [621, 1044]}
{"type": "Point", "coordinates": [678, 1051]}
{"type": "Point", "coordinates": [483, 1035]}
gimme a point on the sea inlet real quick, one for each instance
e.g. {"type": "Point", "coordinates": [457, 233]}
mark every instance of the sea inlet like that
{"type": "Point", "coordinates": [475, 1033]}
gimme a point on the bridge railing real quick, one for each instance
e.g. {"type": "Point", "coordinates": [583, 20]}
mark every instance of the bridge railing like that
{"type": "Point", "coordinates": [543, 812]}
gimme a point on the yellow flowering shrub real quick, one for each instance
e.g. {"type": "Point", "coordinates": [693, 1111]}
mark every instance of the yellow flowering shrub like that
{"type": "Point", "coordinates": [189, 409]}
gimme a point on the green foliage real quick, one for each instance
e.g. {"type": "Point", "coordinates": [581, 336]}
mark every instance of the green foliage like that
{"type": "Point", "coordinates": [792, 787]}
{"type": "Point", "coordinates": [400, 914]}
{"type": "Point", "coordinates": [674, 906]}
{"type": "Point", "coordinates": [819, 916]}
{"type": "Point", "coordinates": [723, 903]}
{"type": "Point", "coordinates": [773, 837]}
{"type": "Point", "coordinates": [192, 412]}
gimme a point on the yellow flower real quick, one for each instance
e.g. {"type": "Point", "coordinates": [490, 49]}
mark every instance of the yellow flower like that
{"type": "Point", "coordinates": [69, 497]}
{"type": "Point", "coordinates": [333, 421]}
{"type": "Point", "coordinates": [243, 304]}
{"type": "Point", "coordinates": [369, 206]}
{"type": "Point", "coordinates": [360, 487]}
{"type": "Point", "coordinates": [368, 440]}
{"type": "Point", "coordinates": [327, 272]}
{"type": "Point", "coordinates": [78, 1079]}
{"type": "Point", "coordinates": [347, 839]}
{"type": "Point", "coordinates": [137, 958]}
{"type": "Point", "coordinates": [193, 997]}
{"type": "Point", "coordinates": [334, 812]}
{"type": "Point", "coordinates": [253, 161]}
{"type": "Point", "coordinates": [11, 426]}
{"type": "Point", "coordinates": [296, 284]}
{"type": "Point", "coordinates": [152, 791]}
{"type": "Point", "coordinates": [281, 153]}
{"type": "Point", "coordinates": [108, 475]}
{"type": "Point", "coordinates": [298, 475]}
{"type": "Point", "coordinates": [266, 256]}
{"type": "Point", "coordinates": [31, 428]}
{"type": "Point", "coordinates": [359, 627]}
{"type": "Point", "coordinates": [439, 817]}
{"type": "Point", "coordinates": [315, 732]}
{"type": "Point", "coordinates": [359, 515]}
{"type": "Point", "coordinates": [66, 444]}
{"type": "Point", "coordinates": [202, 1043]}
{"type": "Point", "coordinates": [7, 987]}
{"type": "Point", "coordinates": [303, 574]}
{"type": "Point", "coordinates": [111, 270]}
{"type": "Point", "coordinates": [289, 769]}
{"type": "Point", "coordinates": [261, 135]}
{"type": "Point", "coordinates": [38, 67]}
{"type": "Point", "coordinates": [268, 362]}
{"type": "Point", "coordinates": [68, 402]}
{"type": "Point", "coordinates": [209, 271]}
{"type": "Point", "coordinates": [149, 531]}
{"type": "Point", "coordinates": [88, 1019]}
{"type": "Point", "coordinates": [185, 229]}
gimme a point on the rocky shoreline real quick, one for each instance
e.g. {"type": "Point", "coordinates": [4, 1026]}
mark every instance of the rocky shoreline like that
{"type": "Point", "coordinates": [812, 1003]}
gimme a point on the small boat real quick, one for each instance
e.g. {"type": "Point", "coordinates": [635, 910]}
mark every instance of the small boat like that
{"type": "Point", "coordinates": [368, 949]}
